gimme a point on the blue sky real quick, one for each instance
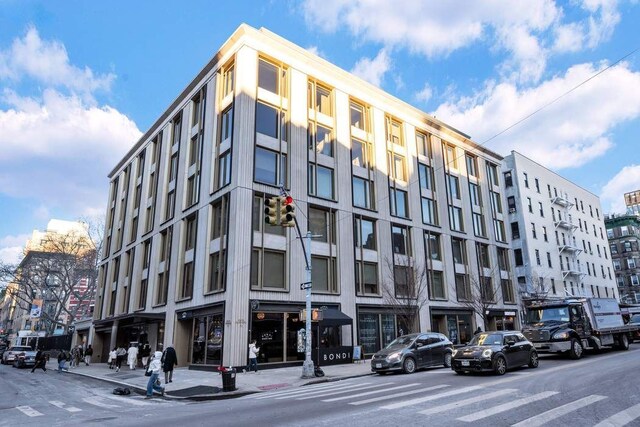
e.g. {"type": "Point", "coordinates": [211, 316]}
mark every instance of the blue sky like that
{"type": "Point", "coordinates": [80, 81]}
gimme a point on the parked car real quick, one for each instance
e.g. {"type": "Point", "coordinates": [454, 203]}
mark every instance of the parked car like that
{"type": "Point", "coordinates": [495, 351]}
{"type": "Point", "coordinates": [635, 320]}
{"type": "Point", "coordinates": [414, 351]}
{"type": "Point", "coordinates": [9, 355]}
{"type": "Point", "coordinates": [3, 348]}
{"type": "Point", "coordinates": [25, 359]}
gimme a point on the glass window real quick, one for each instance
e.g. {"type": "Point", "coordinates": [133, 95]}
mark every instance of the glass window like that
{"type": "Point", "coordinates": [190, 233]}
{"type": "Point", "coordinates": [425, 174]}
{"type": "Point", "coordinates": [226, 126]}
{"type": "Point", "coordinates": [429, 214]}
{"type": "Point", "coordinates": [472, 170]}
{"type": "Point", "coordinates": [267, 120]}
{"type": "Point", "coordinates": [424, 144]}
{"type": "Point", "coordinates": [398, 202]}
{"type": "Point", "coordinates": [186, 290]}
{"type": "Point", "coordinates": [403, 281]}
{"type": "Point", "coordinates": [266, 166]}
{"type": "Point", "coordinates": [463, 290]}
{"type": "Point", "coordinates": [436, 287]}
{"type": "Point", "coordinates": [325, 182]}
{"type": "Point", "coordinates": [367, 278]}
{"type": "Point", "coordinates": [394, 131]}
{"type": "Point", "coordinates": [322, 224]}
{"type": "Point", "coordinates": [478, 225]}
{"type": "Point", "coordinates": [323, 274]}
{"type": "Point", "coordinates": [433, 246]}
{"type": "Point", "coordinates": [496, 202]}
{"type": "Point", "coordinates": [400, 240]}
{"type": "Point", "coordinates": [323, 100]}
{"type": "Point", "coordinates": [450, 156]}
{"type": "Point", "coordinates": [454, 186]}
{"type": "Point", "coordinates": [365, 236]}
{"type": "Point", "coordinates": [357, 116]}
{"type": "Point", "coordinates": [362, 193]}
{"type": "Point", "coordinates": [483, 256]}
{"type": "Point", "coordinates": [323, 142]}
{"type": "Point", "coordinates": [268, 269]}
{"type": "Point", "coordinates": [397, 167]}
{"type": "Point", "coordinates": [474, 194]}
{"type": "Point", "coordinates": [458, 250]}
{"type": "Point", "coordinates": [228, 78]}
{"type": "Point", "coordinates": [455, 218]}
{"type": "Point", "coordinates": [268, 76]}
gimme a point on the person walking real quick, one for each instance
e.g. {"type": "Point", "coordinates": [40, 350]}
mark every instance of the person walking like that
{"type": "Point", "coordinates": [132, 356]}
{"type": "Point", "coordinates": [154, 382]}
{"type": "Point", "coordinates": [87, 355]}
{"type": "Point", "coordinates": [72, 355]}
{"type": "Point", "coordinates": [41, 361]}
{"type": "Point", "coordinates": [77, 356]}
{"type": "Point", "coordinates": [121, 353]}
{"type": "Point", "coordinates": [62, 360]}
{"type": "Point", "coordinates": [144, 354]}
{"type": "Point", "coordinates": [253, 357]}
{"type": "Point", "coordinates": [169, 360]}
{"type": "Point", "coordinates": [112, 358]}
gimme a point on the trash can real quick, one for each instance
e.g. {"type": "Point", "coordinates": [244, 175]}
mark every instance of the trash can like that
{"type": "Point", "coordinates": [229, 379]}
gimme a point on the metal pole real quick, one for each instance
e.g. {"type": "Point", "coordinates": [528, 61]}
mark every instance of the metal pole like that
{"type": "Point", "coordinates": [308, 370]}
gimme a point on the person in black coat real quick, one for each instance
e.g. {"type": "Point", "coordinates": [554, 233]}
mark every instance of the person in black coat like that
{"type": "Point", "coordinates": [169, 360]}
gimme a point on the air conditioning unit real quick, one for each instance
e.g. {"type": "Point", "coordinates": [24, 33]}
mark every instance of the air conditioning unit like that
{"type": "Point", "coordinates": [512, 210]}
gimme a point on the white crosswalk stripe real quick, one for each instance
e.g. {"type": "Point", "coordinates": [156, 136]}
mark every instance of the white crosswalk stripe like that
{"type": "Point", "coordinates": [97, 401]}
{"type": "Point", "coordinates": [64, 406]}
{"type": "Point", "coordinates": [296, 391]}
{"type": "Point", "coordinates": [29, 411]}
{"type": "Point", "coordinates": [396, 395]}
{"type": "Point", "coordinates": [316, 392]}
{"type": "Point", "coordinates": [470, 401]}
{"type": "Point", "coordinates": [342, 391]}
{"type": "Point", "coordinates": [128, 400]}
{"type": "Point", "coordinates": [554, 413]}
{"type": "Point", "coordinates": [368, 393]}
{"type": "Point", "coordinates": [431, 397]}
{"type": "Point", "coordinates": [622, 418]}
{"type": "Point", "coordinates": [507, 406]}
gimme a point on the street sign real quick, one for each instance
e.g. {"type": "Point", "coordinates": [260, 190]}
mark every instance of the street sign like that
{"type": "Point", "coordinates": [306, 285]}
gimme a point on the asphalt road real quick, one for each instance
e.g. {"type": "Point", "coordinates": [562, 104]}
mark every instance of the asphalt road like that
{"type": "Point", "coordinates": [599, 388]}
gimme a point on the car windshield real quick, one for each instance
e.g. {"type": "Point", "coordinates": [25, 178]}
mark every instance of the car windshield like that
{"type": "Point", "coordinates": [21, 349]}
{"type": "Point", "coordinates": [403, 340]}
{"type": "Point", "coordinates": [559, 314]}
{"type": "Point", "coordinates": [486, 339]}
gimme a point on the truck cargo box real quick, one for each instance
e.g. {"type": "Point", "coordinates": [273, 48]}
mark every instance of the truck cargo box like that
{"type": "Point", "coordinates": [605, 313]}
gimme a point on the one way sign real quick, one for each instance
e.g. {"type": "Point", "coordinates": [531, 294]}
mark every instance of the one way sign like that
{"type": "Point", "coordinates": [306, 285]}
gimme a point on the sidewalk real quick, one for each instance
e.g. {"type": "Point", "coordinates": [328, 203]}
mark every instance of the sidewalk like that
{"type": "Point", "coordinates": [205, 385]}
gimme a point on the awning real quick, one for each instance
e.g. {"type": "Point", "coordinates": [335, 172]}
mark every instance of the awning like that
{"type": "Point", "coordinates": [334, 317]}
{"type": "Point", "coordinates": [129, 318]}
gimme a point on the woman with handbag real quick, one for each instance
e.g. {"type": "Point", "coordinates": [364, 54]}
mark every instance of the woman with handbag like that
{"type": "Point", "coordinates": [153, 372]}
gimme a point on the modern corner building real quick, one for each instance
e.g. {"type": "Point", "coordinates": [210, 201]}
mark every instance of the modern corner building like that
{"type": "Point", "coordinates": [557, 232]}
{"type": "Point", "coordinates": [386, 190]}
{"type": "Point", "coordinates": [623, 232]}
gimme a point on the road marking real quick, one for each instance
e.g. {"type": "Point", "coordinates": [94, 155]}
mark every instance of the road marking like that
{"type": "Point", "coordinates": [371, 392]}
{"type": "Point", "coordinates": [306, 393]}
{"type": "Point", "coordinates": [396, 395]}
{"type": "Point", "coordinates": [96, 401]}
{"type": "Point", "coordinates": [431, 397]}
{"type": "Point", "coordinates": [554, 413]}
{"type": "Point", "coordinates": [128, 400]}
{"type": "Point", "coordinates": [29, 411]}
{"type": "Point", "coordinates": [297, 390]}
{"type": "Point", "coordinates": [64, 406]}
{"type": "Point", "coordinates": [506, 406]}
{"type": "Point", "coordinates": [341, 391]}
{"type": "Point", "coordinates": [455, 405]}
{"type": "Point", "coordinates": [622, 418]}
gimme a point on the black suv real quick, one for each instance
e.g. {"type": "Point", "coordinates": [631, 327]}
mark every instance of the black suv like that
{"type": "Point", "coordinates": [414, 351]}
{"type": "Point", "coordinates": [494, 351]}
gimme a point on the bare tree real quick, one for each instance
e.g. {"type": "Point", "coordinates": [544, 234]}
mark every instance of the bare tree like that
{"type": "Point", "coordinates": [480, 296]}
{"type": "Point", "coordinates": [406, 291]}
{"type": "Point", "coordinates": [58, 270]}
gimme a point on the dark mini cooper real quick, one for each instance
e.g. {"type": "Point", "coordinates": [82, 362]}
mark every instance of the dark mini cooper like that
{"type": "Point", "coordinates": [496, 352]}
{"type": "Point", "coordinates": [414, 351]}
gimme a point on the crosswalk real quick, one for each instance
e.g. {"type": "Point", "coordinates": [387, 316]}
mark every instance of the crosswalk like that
{"type": "Point", "coordinates": [467, 405]}
{"type": "Point", "coordinates": [90, 403]}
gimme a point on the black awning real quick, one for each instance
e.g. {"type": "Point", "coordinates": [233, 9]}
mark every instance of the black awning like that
{"type": "Point", "coordinates": [334, 317]}
{"type": "Point", "coordinates": [130, 318]}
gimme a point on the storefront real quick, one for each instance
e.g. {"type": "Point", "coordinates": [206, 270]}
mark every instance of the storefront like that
{"type": "Point", "coordinates": [328, 348]}
{"type": "Point", "coordinates": [502, 320]}
{"type": "Point", "coordinates": [456, 324]}
{"type": "Point", "coordinates": [140, 328]}
{"type": "Point", "coordinates": [378, 326]}
{"type": "Point", "coordinates": [206, 334]}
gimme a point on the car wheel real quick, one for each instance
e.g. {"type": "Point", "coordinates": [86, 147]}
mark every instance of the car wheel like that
{"type": "Point", "coordinates": [576, 349]}
{"type": "Point", "coordinates": [623, 342]}
{"type": "Point", "coordinates": [533, 359]}
{"type": "Point", "coordinates": [447, 360]}
{"type": "Point", "coordinates": [459, 371]}
{"type": "Point", "coordinates": [500, 365]}
{"type": "Point", "coordinates": [409, 365]}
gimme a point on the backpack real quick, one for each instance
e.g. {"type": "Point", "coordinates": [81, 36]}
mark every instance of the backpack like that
{"type": "Point", "coordinates": [121, 391]}
{"type": "Point", "coordinates": [318, 372]}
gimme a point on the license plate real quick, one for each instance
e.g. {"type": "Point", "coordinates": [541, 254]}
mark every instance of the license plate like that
{"type": "Point", "coordinates": [379, 365]}
{"type": "Point", "coordinates": [465, 363]}
{"type": "Point", "coordinates": [538, 345]}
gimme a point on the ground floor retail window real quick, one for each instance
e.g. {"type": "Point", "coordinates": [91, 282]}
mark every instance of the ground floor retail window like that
{"type": "Point", "coordinates": [456, 326]}
{"type": "Point", "coordinates": [503, 323]}
{"type": "Point", "coordinates": [206, 348]}
{"type": "Point", "coordinates": [376, 330]}
{"type": "Point", "coordinates": [277, 336]}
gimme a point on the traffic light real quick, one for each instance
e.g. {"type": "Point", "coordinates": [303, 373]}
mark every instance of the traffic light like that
{"type": "Point", "coordinates": [287, 212]}
{"type": "Point", "coordinates": [271, 211]}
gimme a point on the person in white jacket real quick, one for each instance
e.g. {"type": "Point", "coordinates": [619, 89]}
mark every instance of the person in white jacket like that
{"type": "Point", "coordinates": [155, 366]}
{"type": "Point", "coordinates": [132, 356]}
{"type": "Point", "coordinates": [253, 357]}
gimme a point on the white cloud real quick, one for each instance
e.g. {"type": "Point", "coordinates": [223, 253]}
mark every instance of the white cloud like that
{"type": "Point", "coordinates": [11, 248]}
{"type": "Point", "coordinates": [425, 94]}
{"type": "Point", "coordinates": [527, 30]}
{"type": "Point", "coordinates": [373, 70]}
{"type": "Point", "coordinates": [59, 143]}
{"type": "Point", "coordinates": [568, 133]}
{"type": "Point", "coordinates": [612, 194]}
{"type": "Point", "coordinates": [48, 62]}
{"type": "Point", "coordinates": [315, 50]}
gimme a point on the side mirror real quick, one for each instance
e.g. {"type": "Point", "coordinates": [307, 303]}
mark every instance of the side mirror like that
{"type": "Point", "coordinates": [419, 344]}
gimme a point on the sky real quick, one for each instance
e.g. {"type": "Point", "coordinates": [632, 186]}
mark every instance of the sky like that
{"type": "Point", "coordinates": [81, 81]}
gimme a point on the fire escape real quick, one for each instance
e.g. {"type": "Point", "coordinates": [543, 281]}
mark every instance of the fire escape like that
{"type": "Point", "coordinates": [567, 247]}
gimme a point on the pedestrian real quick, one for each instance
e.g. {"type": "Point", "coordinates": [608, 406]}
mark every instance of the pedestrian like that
{"type": "Point", "coordinates": [87, 355]}
{"type": "Point", "coordinates": [62, 360]}
{"type": "Point", "coordinates": [41, 361]}
{"type": "Point", "coordinates": [253, 357]}
{"type": "Point", "coordinates": [154, 381]}
{"type": "Point", "coordinates": [121, 353]}
{"type": "Point", "coordinates": [72, 354]}
{"type": "Point", "coordinates": [169, 360]}
{"type": "Point", "coordinates": [132, 356]}
{"type": "Point", "coordinates": [112, 358]}
{"type": "Point", "coordinates": [77, 356]}
{"type": "Point", "coordinates": [145, 353]}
